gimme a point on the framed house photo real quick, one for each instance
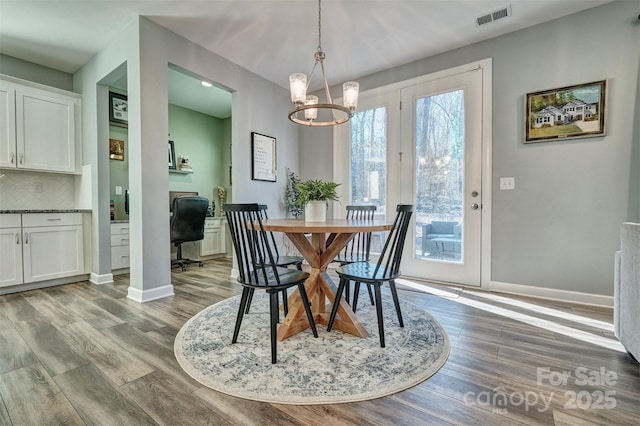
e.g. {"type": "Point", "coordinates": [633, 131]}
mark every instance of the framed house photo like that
{"type": "Point", "coordinates": [566, 113]}
{"type": "Point", "coordinates": [116, 149]}
{"type": "Point", "coordinates": [118, 109]}
{"type": "Point", "coordinates": [172, 156]}
{"type": "Point", "coordinates": [263, 157]}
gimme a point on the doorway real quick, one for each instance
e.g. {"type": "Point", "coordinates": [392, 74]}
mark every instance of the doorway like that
{"type": "Point", "coordinates": [432, 152]}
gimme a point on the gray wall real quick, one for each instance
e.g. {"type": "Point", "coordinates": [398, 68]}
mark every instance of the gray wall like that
{"type": "Point", "coordinates": [37, 73]}
{"type": "Point", "coordinates": [146, 50]}
{"type": "Point", "coordinates": [559, 228]}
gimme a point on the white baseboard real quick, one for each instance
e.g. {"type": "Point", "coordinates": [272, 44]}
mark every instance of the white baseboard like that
{"type": "Point", "coordinates": [43, 284]}
{"type": "Point", "coordinates": [551, 294]}
{"type": "Point", "coordinates": [101, 278]}
{"type": "Point", "coordinates": [142, 296]}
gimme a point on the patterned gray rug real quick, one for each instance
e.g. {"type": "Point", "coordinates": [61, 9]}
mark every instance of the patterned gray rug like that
{"type": "Point", "coordinates": [334, 368]}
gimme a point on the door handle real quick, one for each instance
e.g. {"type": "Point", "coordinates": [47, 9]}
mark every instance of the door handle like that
{"type": "Point", "coordinates": [474, 206]}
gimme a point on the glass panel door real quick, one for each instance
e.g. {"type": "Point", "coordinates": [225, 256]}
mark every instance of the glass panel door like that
{"type": "Point", "coordinates": [441, 176]}
{"type": "Point", "coordinates": [368, 157]}
{"type": "Point", "coordinates": [439, 155]}
{"type": "Point", "coordinates": [421, 144]}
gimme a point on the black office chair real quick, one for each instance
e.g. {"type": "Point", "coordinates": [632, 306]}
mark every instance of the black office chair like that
{"type": "Point", "coordinates": [257, 269]}
{"type": "Point", "coordinates": [187, 224]}
{"type": "Point", "coordinates": [357, 249]}
{"type": "Point", "coordinates": [387, 269]}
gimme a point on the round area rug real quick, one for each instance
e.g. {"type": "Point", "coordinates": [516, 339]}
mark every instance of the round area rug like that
{"type": "Point", "coordinates": [335, 367]}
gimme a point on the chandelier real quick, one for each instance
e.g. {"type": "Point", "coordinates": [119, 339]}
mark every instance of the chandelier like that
{"type": "Point", "coordinates": [307, 111]}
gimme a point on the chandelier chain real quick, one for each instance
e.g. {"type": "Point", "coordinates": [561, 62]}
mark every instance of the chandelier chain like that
{"type": "Point", "coordinates": [320, 25]}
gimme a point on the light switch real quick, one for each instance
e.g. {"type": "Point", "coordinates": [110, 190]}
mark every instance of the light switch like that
{"type": "Point", "coordinates": [507, 183]}
{"type": "Point", "coordinates": [118, 190]}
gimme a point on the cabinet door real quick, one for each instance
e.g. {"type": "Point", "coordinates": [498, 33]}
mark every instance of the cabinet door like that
{"type": "Point", "coordinates": [211, 242]}
{"type": "Point", "coordinates": [52, 252]}
{"type": "Point", "coordinates": [7, 125]}
{"type": "Point", "coordinates": [11, 258]}
{"type": "Point", "coordinates": [45, 131]}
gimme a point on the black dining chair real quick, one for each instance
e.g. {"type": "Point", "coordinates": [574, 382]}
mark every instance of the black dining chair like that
{"type": "Point", "coordinates": [187, 224]}
{"type": "Point", "coordinates": [257, 269]}
{"type": "Point", "coordinates": [282, 261]}
{"type": "Point", "coordinates": [387, 269]}
{"type": "Point", "coordinates": [358, 248]}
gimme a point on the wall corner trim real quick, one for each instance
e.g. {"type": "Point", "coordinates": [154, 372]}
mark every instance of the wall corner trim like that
{"type": "Point", "coordinates": [100, 279]}
{"type": "Point", "coordinates": [142, 296]}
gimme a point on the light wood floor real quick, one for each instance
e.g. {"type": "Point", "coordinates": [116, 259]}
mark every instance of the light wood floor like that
{"type": "Point", "coordinates": [85, 354]}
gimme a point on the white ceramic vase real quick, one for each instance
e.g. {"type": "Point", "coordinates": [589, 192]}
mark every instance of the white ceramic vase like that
{"type": "Point", "coordinates": [315, 211]}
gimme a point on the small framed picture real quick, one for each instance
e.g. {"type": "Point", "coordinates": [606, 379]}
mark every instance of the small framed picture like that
{"type": "Point", "coordinates": [565, 113]}
{"type": "Point", "coordinates": [116, 149]}
{"type": "Point", "coordinates": [172, 156]}
{"type": "Point", "coordinates": [118, 109]}
{"type": "Point", "coordinates": [263, 157]}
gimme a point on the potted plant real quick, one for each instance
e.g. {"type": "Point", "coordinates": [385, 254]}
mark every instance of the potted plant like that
{"type": "Point", "coordinates": [291, 195]}
{"type": "Point", "coordinates": [314, 196]}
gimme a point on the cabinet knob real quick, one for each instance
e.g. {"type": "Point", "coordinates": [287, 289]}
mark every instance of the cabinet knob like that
{"type": "Point", "coordinates": [21, 158]}
{"type": "Point", "coordinates": [17, 238]}
{"type": "Point", "coordinates": [26, 238]}
{"type": "Point", "coordinates": [13, 157]}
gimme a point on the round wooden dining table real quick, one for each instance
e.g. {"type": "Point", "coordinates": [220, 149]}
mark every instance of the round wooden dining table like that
{"type": "Point", "coordinates": [327, 239]}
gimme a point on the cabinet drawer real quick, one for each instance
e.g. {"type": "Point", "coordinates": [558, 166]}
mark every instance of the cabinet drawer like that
{"type": "Point", "coordinates": [119, 257]}
{"type": "Point", "coordinates": [212, 223]}
{"type": "Point", "coordinates": [51, 219]}
{"type": "Point", "coordinates": [9, 221]}
{"type": "Point", "coordinates": [120, 240]}
{"type": "Point", "coordinates": [119, 228]}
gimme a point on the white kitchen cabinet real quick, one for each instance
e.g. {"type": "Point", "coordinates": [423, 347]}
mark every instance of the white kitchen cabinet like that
{"type": "Point", "coordinates": [119, 245]}
{"type": "Point", "coordinates": [213, 243]}
{"type": "Point", "coordinates": [40, 127]}
{"type": "Point", "coordinates": [52, 246]}
{"type": "Point", "coordinates": [11, 249]}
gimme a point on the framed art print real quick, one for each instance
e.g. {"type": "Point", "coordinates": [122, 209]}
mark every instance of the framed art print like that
{"type": "Point", "coordinates": [172, 156]}
{"type": "Point", "coordinates": [566, 113]}
{"type": "Point", "coordinates": [263, 157]}
{"type": "Point", "coordinates": [118, 109]}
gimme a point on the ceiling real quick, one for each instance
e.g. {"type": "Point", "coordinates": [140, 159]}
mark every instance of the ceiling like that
{"type": "Point", "coordinates": [271, 38]}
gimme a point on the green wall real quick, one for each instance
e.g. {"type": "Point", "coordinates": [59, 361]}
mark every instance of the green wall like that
{"type": "Point", "coordinates": [203, 138]}
{"type": "Point", "coordinates": [200, 137]}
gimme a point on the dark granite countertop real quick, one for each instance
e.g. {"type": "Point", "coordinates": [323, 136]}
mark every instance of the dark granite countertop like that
{"type": "Point", "coordinates": [22, 211]}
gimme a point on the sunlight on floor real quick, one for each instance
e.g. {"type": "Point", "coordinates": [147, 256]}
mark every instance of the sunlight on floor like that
{"type": "Point", "coordinates": [528, 319]}
{"type": "Point", "coordinates": [545, 311]}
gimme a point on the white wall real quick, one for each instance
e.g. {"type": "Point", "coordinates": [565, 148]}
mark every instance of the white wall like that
{"type": "Point", "coordinates": [559, 228]}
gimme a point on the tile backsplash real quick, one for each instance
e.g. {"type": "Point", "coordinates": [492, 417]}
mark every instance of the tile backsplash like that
{"type": "Point", "coordinates": [31, 190]}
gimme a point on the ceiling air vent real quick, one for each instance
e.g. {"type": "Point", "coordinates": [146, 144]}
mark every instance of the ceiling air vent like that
{"type": "Point", "coordinates": [493, 16]}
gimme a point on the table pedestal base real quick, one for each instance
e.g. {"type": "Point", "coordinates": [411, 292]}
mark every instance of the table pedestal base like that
{"type": "Point", "coordinates": [319, 287]}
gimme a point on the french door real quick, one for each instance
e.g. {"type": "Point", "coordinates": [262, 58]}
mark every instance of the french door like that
{"type": "Point", "coordinates": [429, 153]}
